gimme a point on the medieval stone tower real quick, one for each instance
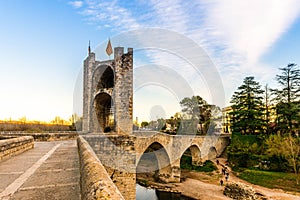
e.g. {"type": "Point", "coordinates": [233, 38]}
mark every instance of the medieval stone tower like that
{"type": "Point", "coordinates": [107, 93]}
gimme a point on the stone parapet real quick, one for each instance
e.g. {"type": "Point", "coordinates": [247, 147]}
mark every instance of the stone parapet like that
{"type": "Point", "coordinates": [94, 180]}
{"type": "Point", "coordinates": [13, 146]}
{"type": "Point", "coordinates": [43, 136]}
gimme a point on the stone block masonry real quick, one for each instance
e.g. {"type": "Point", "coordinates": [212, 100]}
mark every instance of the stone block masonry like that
{"type": "Point", "coordinates": [94, 179]}
{"type": "Point", "coordinates": [117, 155]}
{"type": "Point", "coordinates": [14, 146]}
{"type": "Point", "coordinates": [123, 91]}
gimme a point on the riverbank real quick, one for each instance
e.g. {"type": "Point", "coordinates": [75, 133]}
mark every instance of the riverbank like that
{"type": "Point", "coordinates": [205, 186]}
{"type": "Point", "coordinates": [191, 186]}
{"type": "Point", "coordinates": [271, 194]}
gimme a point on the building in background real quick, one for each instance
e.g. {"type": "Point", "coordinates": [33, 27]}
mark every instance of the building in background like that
{"type": "Point", "coordinates": [226, 119]}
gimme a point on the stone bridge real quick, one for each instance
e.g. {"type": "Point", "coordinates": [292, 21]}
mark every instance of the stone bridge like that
{"type": "Point", "coordinates": [109, 163]}
{"type": "Point", "coordinates": [124, 156]}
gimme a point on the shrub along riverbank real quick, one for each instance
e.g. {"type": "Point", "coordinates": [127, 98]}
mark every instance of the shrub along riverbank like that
{"type": "Point", "coordinates": [271, 161]}
{"type": "Point", "coordinates": [186, 163]}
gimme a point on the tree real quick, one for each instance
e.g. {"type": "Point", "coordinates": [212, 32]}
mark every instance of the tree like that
{"type": "Point", "coordinates": [191, 106]}
{"type": "Point", "coordinates": [288, 147]}
{"type": "Point", "coordinates": [23, 120]}
{"type": "Point", "coordinates": [198, 111]}
{"type": "Point", "coordinates": [58, 121]}
{"type": "Point", "coordinates": [75, 121]}
{"type": "Point", "coordinates": [267, 108]}
{"type": "Point", "coordinates": [144, 124]}
{"type": "Point", "coordinates": [287, 97]}
{"type": "Point", "coordinates": [177, 115]}
{"type": "Point", "coordinates": [248, 109]}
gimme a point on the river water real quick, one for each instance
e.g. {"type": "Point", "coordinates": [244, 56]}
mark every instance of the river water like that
{"type": "Point", "coordinates": [143, 193]}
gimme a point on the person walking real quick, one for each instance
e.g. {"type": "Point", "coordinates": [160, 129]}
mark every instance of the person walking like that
{"type": "Point", "coordinates": [227, 176]}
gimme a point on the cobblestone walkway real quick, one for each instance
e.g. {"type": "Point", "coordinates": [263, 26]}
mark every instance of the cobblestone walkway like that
{"type": "Point", "coordinates": [49, 171]}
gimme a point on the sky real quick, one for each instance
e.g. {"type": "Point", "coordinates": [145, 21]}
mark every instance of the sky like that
{"type": "Point", "coordinates": [207, 47]}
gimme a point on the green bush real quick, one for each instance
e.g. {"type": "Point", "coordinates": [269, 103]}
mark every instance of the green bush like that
{"type": "Point", "coordinates": [186, 163]}
{"type": "Point", "coordinates": [243, 160]}
{"type": "Point", "coordinates": [279, 164]}
{"type": "Point", "coordinates": [246, 151]}
{"type": "Point", "coordinates": [208, 166]}
{"type": "Point", "coordinates": [143, 182]}
{"type": "Point", "coordinates": [251, 151]}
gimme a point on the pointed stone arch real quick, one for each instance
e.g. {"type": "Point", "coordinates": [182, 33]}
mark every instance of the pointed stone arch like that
{"type": "Point", "coordinates": [195, 152]}
{"type": "Point", "coordinates": [103, 105]}
{"type": "Point", "coordinates": [155, 159]}
{"type": "Point", "coordinates": [103, 78]}
{"type": "Point", "coordinates": [106, 79]}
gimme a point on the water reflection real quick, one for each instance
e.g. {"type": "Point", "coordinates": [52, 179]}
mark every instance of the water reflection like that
{"type": "Point", "coordinates": [143, 193]}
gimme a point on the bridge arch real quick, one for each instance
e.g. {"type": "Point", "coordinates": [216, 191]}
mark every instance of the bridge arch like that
{"type": "Point", "coordinates": [155, 161]}
{"type": "Point", "coordinates": [103, 108]}
{"type": "Point", "coordinates": [194, 152]}
{"type": "Point", "coordinates": [212, 153]}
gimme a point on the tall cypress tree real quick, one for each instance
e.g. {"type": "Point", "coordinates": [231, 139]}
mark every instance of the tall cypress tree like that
{"type": "Point", "coordinates": [287, 97]}
{"type": "Point", "coordinates": [268, 108]}
{"type": "Point", "coordinates": [248, 110]}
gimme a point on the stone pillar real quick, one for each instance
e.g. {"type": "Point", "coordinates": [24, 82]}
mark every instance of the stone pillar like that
{"type": "Point", "coordinates": [196, 156]}
{"type": "Point", "coordinates": [170, 173]}
{"type": "Point", "coordinates": [175, 171]}
{"type": "Point", "coordinates": [123, 91]}
{"type": "Point", "coordinates": [89, 63]}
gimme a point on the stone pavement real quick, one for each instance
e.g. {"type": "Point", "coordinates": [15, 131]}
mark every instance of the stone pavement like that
{"type": "Point", "coordinates": [49, 171]}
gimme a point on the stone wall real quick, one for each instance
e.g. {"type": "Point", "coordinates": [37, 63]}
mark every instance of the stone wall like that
{"type": "Point", "coordinates": [94, 180]}
{"type": "Point", "coordinates": [44, 136]}
{"type": "Point", "coordinates": [14, 146]}
{"type": "Point", "coordinates": [117, 154]}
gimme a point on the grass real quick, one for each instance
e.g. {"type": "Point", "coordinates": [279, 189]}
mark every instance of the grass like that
{"type": "Point", "coordinates": [186, 163]}
{"type": "Point", "coordinates": [276, 180]}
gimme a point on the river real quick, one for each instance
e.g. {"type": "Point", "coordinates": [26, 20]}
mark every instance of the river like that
{"type": "Point", "coordinates": [143, 193]}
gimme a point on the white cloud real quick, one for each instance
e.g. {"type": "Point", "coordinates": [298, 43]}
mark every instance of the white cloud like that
{"type": "Point", "coordinates": [249, 28]}
{"type": "Point", "coordinates": [109, 14]}
{"type": "Point", "coordinates": [76, 4]}
{"type": "Point", "coordinates": [169, 14]}
{"type": "Point", "coordinates": [234, 33]}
